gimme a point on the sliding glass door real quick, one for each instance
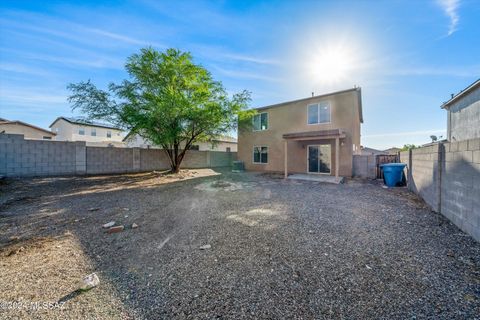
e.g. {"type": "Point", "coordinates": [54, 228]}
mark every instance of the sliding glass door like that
{"type": "Point", "coordinates": [319, 158]}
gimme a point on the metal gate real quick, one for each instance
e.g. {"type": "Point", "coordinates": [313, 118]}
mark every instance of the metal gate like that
{"type": "Point", "coordinates": [385, 158]}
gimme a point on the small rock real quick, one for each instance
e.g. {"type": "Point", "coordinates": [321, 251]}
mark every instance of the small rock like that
{"type": "Point", "coordinates": [134, 225]}
{"type": "Point", "coordinates": [368, 267]}
{"type": "Point", "coordinates": [205, 247]}
{"type": "Point", "coordinates": [450, 253]}
{"type": "Point", "coordinates": [126, 216]}
{"type": "Point", "coordinates": [126, 209]}
{"type": "Point", "coordinates": [115, 229]}
{"type": "Point", "coordinates": [13, 238]}
{"type": "Point", "coordinates": [108, 225]}
{"type": "Point", "coordinates": [89, 282]}
{"type": "Point", "coordinates": [15, 251]}
{"type": "Point", "coordinates": [93, 209]}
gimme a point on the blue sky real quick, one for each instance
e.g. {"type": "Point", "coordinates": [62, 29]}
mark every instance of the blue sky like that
{"type": "Point", "coordinates": [408, 56]}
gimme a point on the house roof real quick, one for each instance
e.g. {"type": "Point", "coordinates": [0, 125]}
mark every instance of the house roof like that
{"type": "Point", "coordinates": [5, 121]}
{"type": "Point", "coordinates": [85, 123]}
{"type": "Point", "coordinates": [462, 93]}
{"type": "Point", "coordinates": [371, 150]}
{"type": "Point", "coordinates": [320, 134]}
{"type": "Point", "coordinates": [219, 139]}
{"type": "Point", "coordinates": [357, 89]}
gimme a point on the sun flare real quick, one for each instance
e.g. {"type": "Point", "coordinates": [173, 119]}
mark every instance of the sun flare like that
{"type": "Point", "coordinates": [332, 64]}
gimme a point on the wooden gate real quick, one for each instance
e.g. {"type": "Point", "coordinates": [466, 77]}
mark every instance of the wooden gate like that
{"type": "Point", "coordinates": [385, 158]}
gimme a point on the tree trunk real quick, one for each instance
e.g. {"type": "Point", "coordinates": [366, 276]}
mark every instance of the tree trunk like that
{"type": "Point", "coordinates": [175, 168]}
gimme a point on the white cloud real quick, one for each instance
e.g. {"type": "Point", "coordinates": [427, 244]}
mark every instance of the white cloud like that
{"type": "Point", "coordinates": [252, 59]}
{"type": "Point", "coordinates": [451, 71]}
{"type": "Point", "coordinates": [450, 8]}
{"type": "Point", "coordinates": [245, 75]}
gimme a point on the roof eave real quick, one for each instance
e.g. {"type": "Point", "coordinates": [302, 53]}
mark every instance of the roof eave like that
{"type": "Point", "coordinates": [306, 99]}
{"type": "Point", "coordinates": [471, 87]}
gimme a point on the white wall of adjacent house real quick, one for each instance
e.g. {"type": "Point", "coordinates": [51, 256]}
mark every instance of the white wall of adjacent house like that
{"type": "Point", "coordinates": [67, 131]}
{"type": "Point", "coordinates": [225, 146]}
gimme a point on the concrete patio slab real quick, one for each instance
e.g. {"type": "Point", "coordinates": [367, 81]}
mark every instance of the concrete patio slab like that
{"type": "Point", "coordinates": [316, 177]}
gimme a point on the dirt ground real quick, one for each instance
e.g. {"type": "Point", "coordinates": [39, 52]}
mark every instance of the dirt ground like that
{"type": "Point", "coordinates": [215, 244]}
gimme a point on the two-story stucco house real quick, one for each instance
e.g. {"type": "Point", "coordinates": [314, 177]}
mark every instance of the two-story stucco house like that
{"type": "Point", "coordinates": [94, 134]}
{"type": "Point", "coordinates": [316, 135]}
{"type": "Point", "coordinates": [463, 120]}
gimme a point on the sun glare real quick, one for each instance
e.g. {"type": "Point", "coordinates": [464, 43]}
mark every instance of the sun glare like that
{"type": "Point", "coordinates": [332, 64]}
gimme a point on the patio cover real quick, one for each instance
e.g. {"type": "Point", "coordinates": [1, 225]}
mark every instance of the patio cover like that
{"type": "Point", "coordinates": [336, 134]}
{"type": "Point", "coordinates": [313, 135]}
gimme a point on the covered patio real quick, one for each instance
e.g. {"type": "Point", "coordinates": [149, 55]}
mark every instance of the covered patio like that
{"type": "Point", "coordinates": [314, 136]}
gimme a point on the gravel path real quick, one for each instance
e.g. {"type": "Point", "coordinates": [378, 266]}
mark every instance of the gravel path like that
{"type": "Point", "coordinates": [278, 249]}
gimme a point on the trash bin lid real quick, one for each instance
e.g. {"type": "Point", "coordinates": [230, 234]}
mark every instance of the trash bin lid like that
{"type": "Point", "coordinates": [393, 165]}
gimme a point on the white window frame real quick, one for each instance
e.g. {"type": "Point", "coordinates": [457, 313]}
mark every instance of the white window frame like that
{"type": "Point", "coordinates": [260, 115]}
{"type": "Point", "coordinates": [109, 134]}
{"type": "Point", "coordinates": [318, 104]}
{"type": "Point", "coordinates": [92, 131]}
{"type": "Point", "coordinates": [81, 129]}
{"type": "Point", "coordinates": [253, 154]}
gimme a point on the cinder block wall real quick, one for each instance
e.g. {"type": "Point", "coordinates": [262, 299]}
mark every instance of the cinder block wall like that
{"type": "Point", "coordinates": [109, 160]}
{"type": "Point", "coordinates": [364, 166]}
{"type": "Point", "coordinates": [447, 177]}
{"type": "Point", "coordinates": [218, 159]}
{"type": "Point", "coordinates": [20, 157]}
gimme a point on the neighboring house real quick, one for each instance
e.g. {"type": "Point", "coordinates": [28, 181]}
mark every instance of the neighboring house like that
{"type": "Point", "coordinates": [29, 131]}
{"type": "Point", "coordinates": [393, 150]}
{"type": "Point", "coordinates": [225, 144]}
{"type": "Point", "coordinates": [95, 134]}
{"type": "Point", "coordinates": [314, 135]}
{"type": "Point", "coordinates": [364, 151]}
{"type": "Point", "coordinates": [463, 121]}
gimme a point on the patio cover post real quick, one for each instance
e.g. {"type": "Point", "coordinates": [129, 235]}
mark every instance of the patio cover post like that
{"type": "Point", "coordinates": [285, 159]}
{"type": "Point", "coordinates": [337, 156]}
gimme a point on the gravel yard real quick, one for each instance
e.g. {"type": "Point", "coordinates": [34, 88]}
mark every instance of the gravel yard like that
{"type": "Point", "coordinates": [273, 249]}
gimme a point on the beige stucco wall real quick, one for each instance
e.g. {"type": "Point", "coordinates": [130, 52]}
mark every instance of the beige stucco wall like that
{"type": "Point", "coordinates": [292, 117]}
{"type": "Point", "coordinates": [67, 131]}
{"type": "Point", "coordinates": [28, 132]}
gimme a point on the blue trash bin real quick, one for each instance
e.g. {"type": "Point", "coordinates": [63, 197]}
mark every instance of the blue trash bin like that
{"type": "Point", "coordinates": [393, 173]}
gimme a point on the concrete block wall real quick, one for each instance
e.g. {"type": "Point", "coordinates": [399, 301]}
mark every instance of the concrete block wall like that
{"type": "Point", "coordinates": [447, 177]}
{"type": "Point", "coordinates": [109, 160]}
{"type": "Point", "coordinates": [20, 157]}
{"type": "Point", "coordinates": [196, 159]}
{"type": "Point", "coordinates": [460, 185]}
{"type": "Point", "coordinates": [218, 159]}
{"type": "Point", "coordinates": [153, 159]}
{"type": "Point", "coordinates": [364, 166]}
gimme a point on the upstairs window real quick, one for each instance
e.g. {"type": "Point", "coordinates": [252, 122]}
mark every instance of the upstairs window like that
{"type": "Point", "coordinates": [228, 149]}
{"type": "Point", "coordinates": [47, 138]}
{"type": "Point", "coordinates": [319, 113]}
{"type": "Point", "coordinates": [94, 132]}
{"type": "Point", "coordinates": [260, 121]}
{"type": "Point", "coordinates": [195, 147]}
{"type": "Point", "coordinates": [81, 131]}
{"type": "Point", "coordinates": [260, 154]}
{"type": "Point", "coordinates": [109, 134]}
